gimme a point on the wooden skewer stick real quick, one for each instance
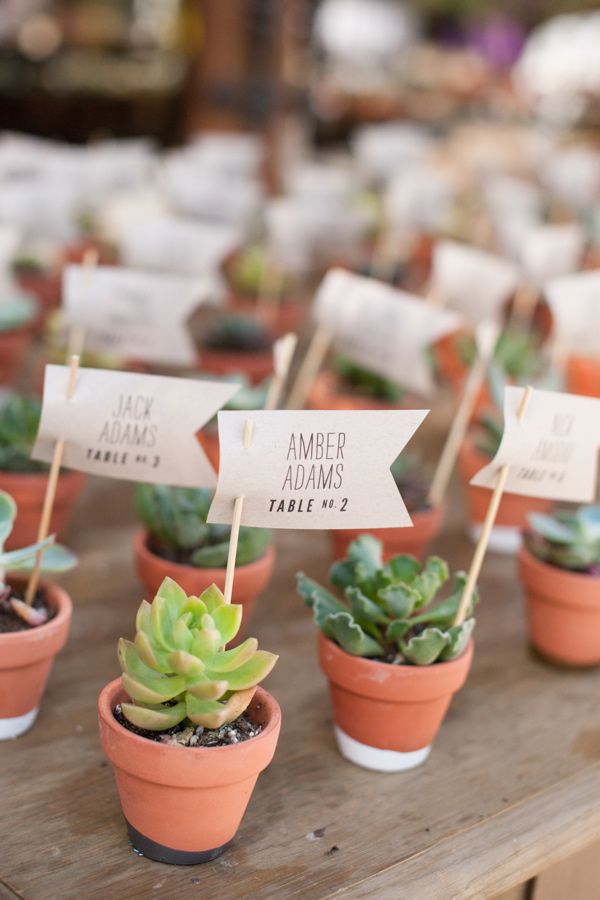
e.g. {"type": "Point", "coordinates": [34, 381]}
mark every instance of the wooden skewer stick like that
{"type": "Point", "coordinates": [50, 494]}
{"type": "Point", "coordinates": [283, 353]}
{"type": "Point", "coordinates": [235, 524]}
{"type": "Point", "coordinates": [490, 518]}
{"type": "Point", "coordinates": [77, 333]}
{"type": "Point", "coordinates": [315, 354]}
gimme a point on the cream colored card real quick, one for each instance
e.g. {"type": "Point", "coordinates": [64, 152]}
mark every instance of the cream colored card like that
{"type": "Point", "coordinates": [575, 304]}
{"type": "Point", "coordinates": [553, 452]}
{"type": "Point", "coordinates": [313, 469]}
{"type": "Point", "coordinates": [547, 251]}
{"type": "Point", "coordinates": [130, 426]}
{"type": "Point", "coordinates": [471, 281]}
{"type": "Point", "coordinates": [135, 315]}
{"type": "Point", "coordinates": [419, 197]}
{"type": "Point", "coordinates": [382, 329]}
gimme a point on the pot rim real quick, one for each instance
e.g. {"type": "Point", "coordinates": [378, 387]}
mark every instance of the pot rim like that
{"type": "Point", "coordinates": [59, 599]}
{"type": "Point", "coordinates": [140, 542]}
{"type": "Point", "coordinates": [531, 564]}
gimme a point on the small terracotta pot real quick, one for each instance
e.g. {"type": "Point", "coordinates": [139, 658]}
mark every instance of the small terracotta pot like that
{"type": "Point", "coordinates": [255, 366]}
{"type": "Point", "coordinates": [415, 540]}
{"type": "Point", "coordinates": [563, 612]}
{"type": "Point", "coordinates": [76, 251]}
{"type": "Point", "coordinates": [26, 658]}
{"type": "Point", "coordinates": [250, 580]}
{"type": "Point", "coordinates": [13, 349]}
{"type": "Point", "coordinates": [183, 805]}
{"type": "Point", "coordinates": [328, 392]}
{"type": "Point", "coordinates": [279, 317]}
{"type": "Point", "coordinates": [386, 717]}
{"type": "Point", "coordinates": [583, 376]}
{"type": "Point", "coordinates": [28, 490]}
{"type": "Point", "coordinates": [209, 439]}
{"type": "Point", "coordinates": [46, 288]}
{"type": "Point", "coordinates": [513, 509]}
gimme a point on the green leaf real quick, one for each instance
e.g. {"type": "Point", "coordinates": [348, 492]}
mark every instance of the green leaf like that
{"type": "Point", "coordinates": [151, 655]}
{"type": "Point", "coordinates": [365, 610]}
{"type": "Point", "coordinates": [56, 558]}
{"type": "Point", "coordinates": [249, 673]}
{"type": "Point", "coordinates": [423, 649]}
{"type": "Point", "coordinates": [430, 579]}
{"type": "Point", "coordinates": [457, 639]}
{"type": "Point", "coordinates": [212, 598]}
{"type": "Point", "coordinates": [311, 591]}
{"type": "Point", "coordinates": [211, 556]}
{"type": "Point", "coordinates": [399, 599]}
{"type": "Point", "coordinates": [402, 568]}
{"type": "Point", "coordinates": [227, 660]}
{"type": "Point", "coordinates": [154, 718]}
{"type": "Point", "coordinates": [397, 629]}
{"type": "Point", "coordinates": [351, 637]}
{"type": "Point", "coordinates": [227, 620]}
{"type": "Point", "coordinates": [343, 573]}
{"type": "Point", "coordinates": [444, 613]}
{"type": "Point", "coordinates": [185, 664]}
{"type": "Point", "coordinates": [8, 513]}
{"type": "Point", "coordinates": [550, 528]}
{"type": "Point", "coordinates": [366, 551]}
{"type": "Point", "coordinates": [153, 690]}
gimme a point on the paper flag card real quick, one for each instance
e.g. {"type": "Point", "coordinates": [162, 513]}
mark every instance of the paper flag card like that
{"type": "Point", "coordinates": [547, 251]}
{"type": "Point", "coordinates": [381, 328]}
{"type": "Point", "coordinates": [575, 304]}
{"type": "Point", "coordinates": [553, 452]}
{"type": "Point", "coordinates": [135, 315]}
{"type": "Point", "coordinates": [130, 426]}
{"type": "Point", "coordinates": [471, 281]}
{"type": "Point", "coordinates": [313, 469]}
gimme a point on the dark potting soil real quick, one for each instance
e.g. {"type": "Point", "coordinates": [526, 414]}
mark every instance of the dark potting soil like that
{"type": "Point", "coordinates": [171, 554]}
{"type": "Point", "coordinates": [236, 732]}
{"type": "Point", "coordinates": [10, 621]}
{"type": "Point", "coordinates": [414, 494]}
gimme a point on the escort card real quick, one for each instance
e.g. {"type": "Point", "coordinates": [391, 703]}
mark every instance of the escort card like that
{"type": "Point", "coordinates": [553, 452]}
{"type": "Point", "coordinates": [471, 281]}
{"type": "Point", "coordinates": [313, 469]}
{"type": "Point", "coordinates": [130, 426]}
{"type": "Point", "coordinates": [135, 315]}
{"type": "Point", "coordinates": [381, 328]}
{"type": "Point", "coordinates": [575, 304]}
{"type": "Point", "coordinates": [548, 251]}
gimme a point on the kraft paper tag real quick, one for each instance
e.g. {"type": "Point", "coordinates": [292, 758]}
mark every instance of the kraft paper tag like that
{"type": "Point", "coordinates": [135, 315]}
{"type": "Point", "coordinates": [575, 304]}
{"type": "Point", "coordinates": [382, 329]}
{"type": "Point", "coordinates": [553, 452]}
{"type": "Point", "coordinates": [471, 281]}
{"type": "Point", "coordinates": [548, 251]}
{"type": "Point", "coordinates": [313, 469]}
{"type": "Point", "coordinates": [130, 426]}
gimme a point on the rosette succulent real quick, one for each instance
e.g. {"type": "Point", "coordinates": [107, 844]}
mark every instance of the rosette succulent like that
{"type": "Point", "coordinates": [388, 610]}
{"type": "Point", "coordinates": [362, 381]}
{"type": "Point", "coordinates": [567, 539]}
{"type": "Point", "coordinates": [177, 669]}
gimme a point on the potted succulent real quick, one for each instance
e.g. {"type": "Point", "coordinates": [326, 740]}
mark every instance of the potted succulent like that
{"type": "Point", "coordinates": [18, 313]}
{"type": "Point", "coordinates": [39, 279]}
{"type": "Point", "coordinates": [583, 375]}
{"type": "Point", "coordinates": [30, 635]}
{"type": "Point", "coordinates": [237, 344]}
{"type": "Point", "coordinates": [186, 727]}
{"type": "Point", "coordinates": [392, 656]}
{"type": "Point", "coordinates": [559, 567]}
{"type": "Point", "coordinates": [348, 386]}
{"type": "Point", "coordinates": [24, 478]}
{"type": "Point", "coordinates": [427, 519]}
{"type": "Point", "coordinates": [478, 448]}
{"type": "Point", "coordinates": [249, 272]}
{"type": "Point", "coordinates": [247, 397]}
{"type": "Point", "coordinates": [178, 542]}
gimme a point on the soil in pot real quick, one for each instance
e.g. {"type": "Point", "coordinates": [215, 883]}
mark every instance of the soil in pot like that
{"type": "Point", "coordinates": [236, 344]}
{"type": "Point", "coordinates": [241, 729]}
{"type": "Point", "coordinates": [10, 622]}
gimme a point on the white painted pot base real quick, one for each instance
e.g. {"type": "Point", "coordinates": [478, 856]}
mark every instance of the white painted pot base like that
{"type": "Point", "coordinates": [376, 759]}
{"type": "Point", "coordinates": [503, 538]}
{"type": "Point", "coordinates": [12, 728]}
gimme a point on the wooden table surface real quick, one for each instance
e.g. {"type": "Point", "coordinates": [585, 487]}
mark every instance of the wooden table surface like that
{"type": "Point", "coordinates": [512, 784]}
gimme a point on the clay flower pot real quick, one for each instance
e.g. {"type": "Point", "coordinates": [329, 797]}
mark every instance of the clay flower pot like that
{"type": "Point", "coordinates": [28, 490]}
{"type": "Point", "coordinates": [415, 540]}
{"type": "Point", "coordinates": [183, 805]}
{"type": "Point", "coordinates": [255, 366]}
{"type": "Point", "coordinates": [563, 611]}
{"type": "Point", "coordinates": [209, 439]}
{"type": "Point", "coordinates": [250, 580]}
{"type": "Point", "coordinates": [386, 717]}
{"type": "Point", "coordinates": [26, 658]}
{"type": "Point", "coordinates": [46, 288]}
{"type": "Point", "coordinates": [328, 392]}
{"type": "Point", "coordinates": [513, 510]}
{"type": "Point", "coordinates": [583, 376]}
{"type": "Point", "coordinates": [13, 349]}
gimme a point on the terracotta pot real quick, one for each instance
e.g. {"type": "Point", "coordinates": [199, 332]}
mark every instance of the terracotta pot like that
{"type": "Point", "coordinates": [328, 392]}
{"type": "Point", "coordinates": [279, 317]}
{"type": "Point", "coordinates": [415, 540]}
{"type": "Point", "coordinates": [583, 376]}
{"type": "Point", "coordinates": [76, 251]}
{"type": "Point", "coordinates": [450, 364]}
{"type": "Point", "coordinates": [563, 611]}
{"type": "Point", "coordinates": [386, 717]}
{"type": "Point", "coordinates": [13, 349]}
{"type": "Point", "coordinates": [28, 490]}
{"type": "Point", "coordinates": [183, 805]}
{"type": "Point", "coordinates": [209, 439]}
{"type": "Point", "coordinates": [250, 580]}
{"type": "Point", "coordinates": [26, 658]}
{"type": "Point", "coordinates": [255, 366]}
{"type": "Point", "coordinates": [46, 288]}
{"type": "Point", "coordinates": [513, 509]}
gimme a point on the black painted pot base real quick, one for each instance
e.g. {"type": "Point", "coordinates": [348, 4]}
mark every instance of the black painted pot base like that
{"type": "Point", "coordinates": [147, 847]}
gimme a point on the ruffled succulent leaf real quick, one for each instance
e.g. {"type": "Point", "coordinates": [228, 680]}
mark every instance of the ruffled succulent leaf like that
{"type": "Point", "coordinates": [214, 713]}
{"type": "Point", "coordinates": [444, 613]}
{"type": "Point", "coordinates": [343, 573]}
{"type": "Point", "coordinates": [227, 660]}
{"type": "Point", "coordinates": [366, 551]}
{"type": "Point", "coordinates": [323, 602]}
{"type": "Point", "coordinates": [363, 609]}
{"type": "Point", "coordinates": [402, 568]}
{"type": "Point", "coordinates": [153, 690]}
{"type": "Point", "coordinates": [428, 582]}
{"type": "Point", "coordinates": [423, 649]}
{"type": "Point", "coordinates": [551, 528]}
{"type": "Point", "coordinates": [398, 599]}
{"type": "Point", "coordinates": [155, 717]}
{"type": "Point", "coordinates": [249, 673]}
{"type": "Point", "coordinates": [211, 556]}
{"type": "Point", "coordinates": [457, 639]}
{"type": "Point", "coordinates": [351, 637]}
{"type": "Point", "coordinates": [398, 628]}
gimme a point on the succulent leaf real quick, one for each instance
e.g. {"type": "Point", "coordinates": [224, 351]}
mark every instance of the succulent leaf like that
{"type": "Point", "coordinates": [424, 648]}
{"type": "Point", "coordinates": [154, 718]}
{"type": "Point", "coordinates": [458, 638]}
{"type": "Point", "coordinates": [399, 599]}
{"type": "Point", "coordinates": [213, 713]}
{"type": "Point", "coordinates": [230, 659]}
{"type": "Point", "coordinates": [153, 690]}
{"type": "Point", "coordinates": [351, 637]}
{"type": "Point", "coordinates": [567, 539]}
{"type": "Point", "coordinates": [249, 673]}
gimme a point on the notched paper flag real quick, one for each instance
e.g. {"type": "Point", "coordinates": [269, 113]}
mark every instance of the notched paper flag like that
{"type": "Point", "coordinates": [471, 281]}
{"type": "Point", "coordinates": [130, 426]}
{"type": "Point", "coordinates": [575, 304]}
{"type": "Point", "coordinates": [553, 452]}
{"type": "Point", "coordinates": [313, 469]}
{"type": "Point", "coordinates": [135, 315]}
{"type": "Point", "coordinates": [381, 328]}
{"type": "Point", "coordinates": [548, 251]}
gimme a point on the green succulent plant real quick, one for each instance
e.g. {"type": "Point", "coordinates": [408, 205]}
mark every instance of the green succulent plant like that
{"type": "Point", "coordinates": [176, 519]}
{"type": "Point", "coordinates": [242, 334]}
{"type": "Point", "coordinates": [27, 264]}
{"type": "Point", "coordinates": [56, 558]}
{"type": "Point", "coordinates": [388, 609]}
{"type": "Point", "coordinates": [569, 539]}
{"type": "Point", "coordinates": [363, 381]}
{"type": "Point", "coordinates": [177, 669]}
{"type": "Point", "coordinates": [516, 355]}
{"type": "Point", "coordinates": [19, 420]}
{"type": "Point", "coordinates": [248, 272]}
{"type": "Point", "coordinates": [16, 311]}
